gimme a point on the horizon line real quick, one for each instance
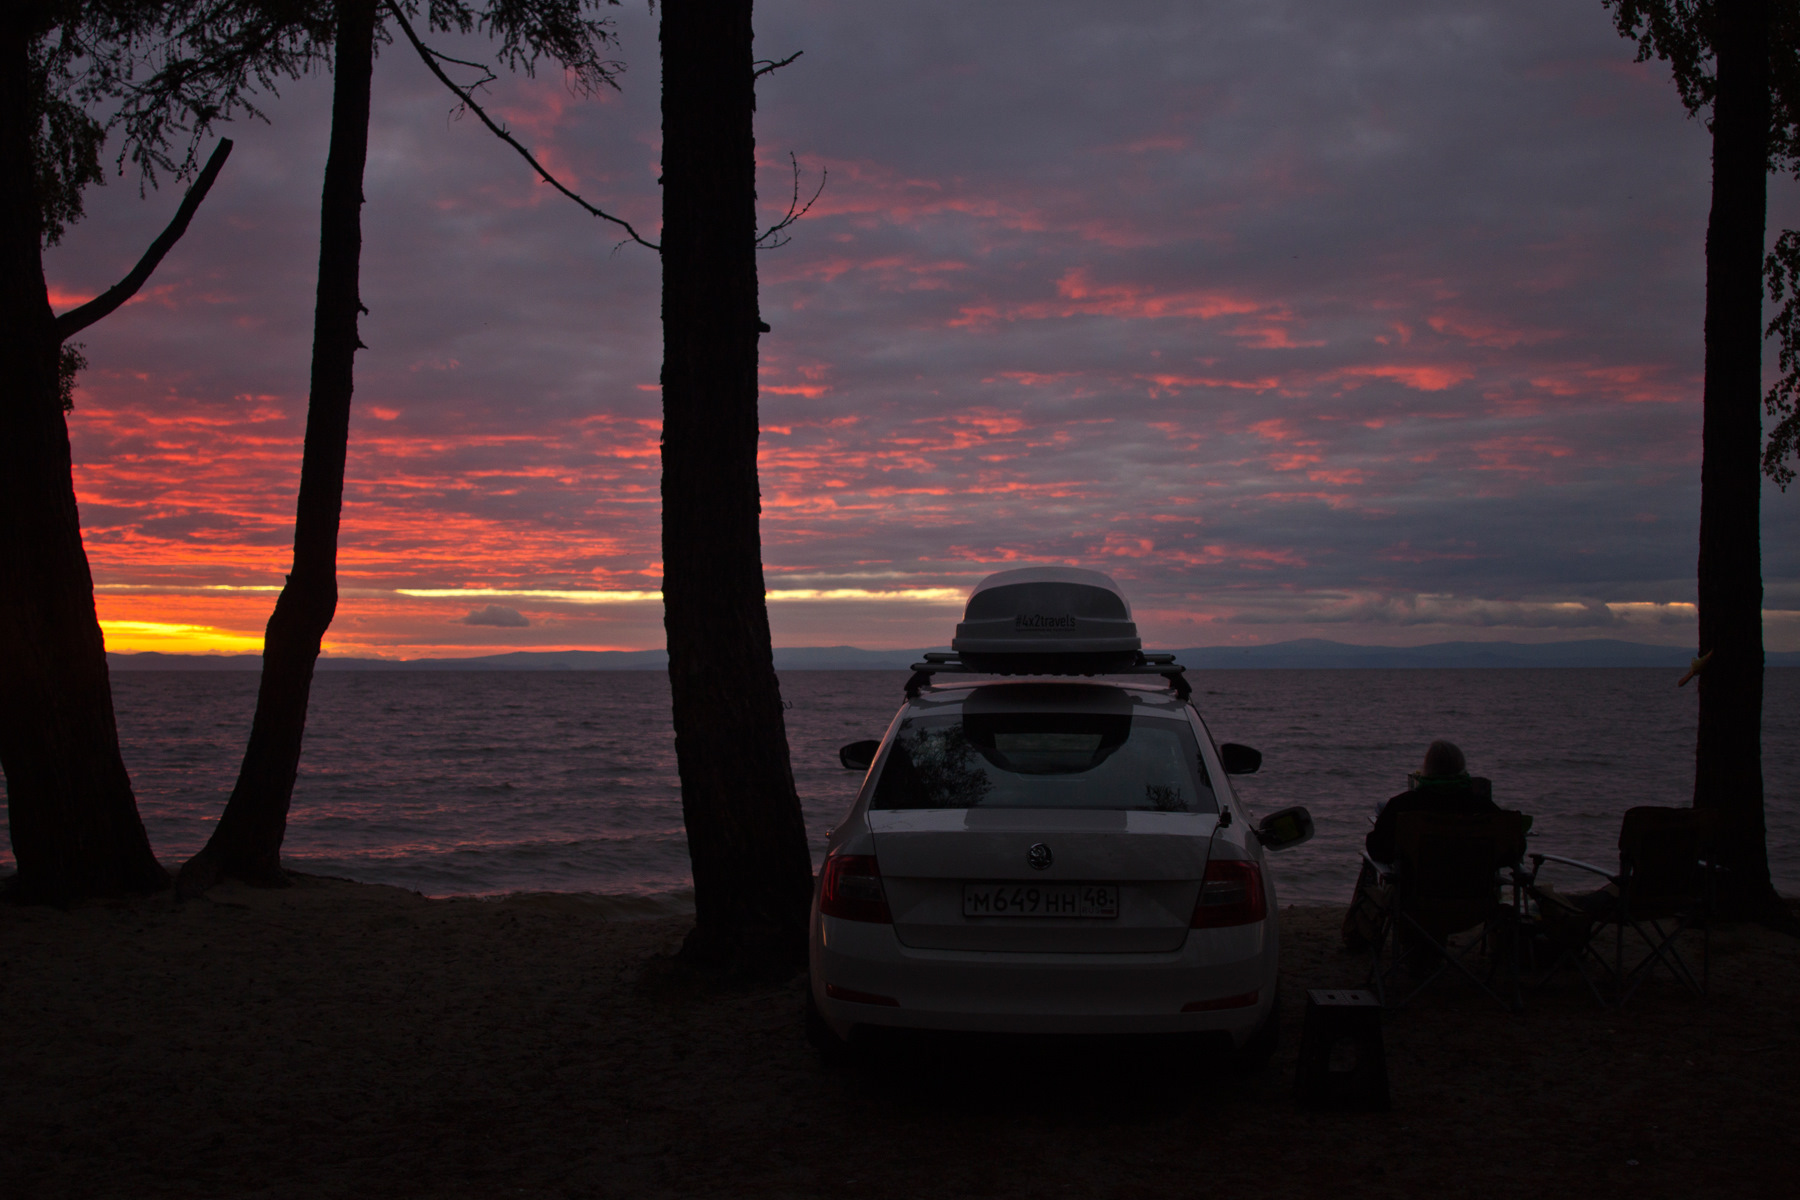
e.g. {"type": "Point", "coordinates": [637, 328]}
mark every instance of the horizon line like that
{"type": "Point", "coordinates": [905, 650]}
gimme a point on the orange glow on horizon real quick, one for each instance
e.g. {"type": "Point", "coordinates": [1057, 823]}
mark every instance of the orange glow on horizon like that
{"type": "Point", "coordinates": [136, 637]}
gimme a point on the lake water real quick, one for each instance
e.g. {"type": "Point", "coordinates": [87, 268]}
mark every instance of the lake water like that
{"type": "Point", "coordinates": [472, 783]}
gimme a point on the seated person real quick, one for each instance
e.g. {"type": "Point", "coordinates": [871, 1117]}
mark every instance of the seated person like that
{"type": "Point", "coordinates": [1441, 784]}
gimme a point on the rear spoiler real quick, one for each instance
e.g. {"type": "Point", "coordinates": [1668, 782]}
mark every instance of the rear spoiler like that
{"type": "Point", "coordinates": [941, 663]}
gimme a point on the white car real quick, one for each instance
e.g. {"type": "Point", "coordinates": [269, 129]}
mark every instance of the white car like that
{"type": "Point", "coordinates": [1044, 853]}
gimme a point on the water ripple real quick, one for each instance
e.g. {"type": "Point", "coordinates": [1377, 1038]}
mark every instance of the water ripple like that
{"type": "Point", "coordinates": [476, 783]}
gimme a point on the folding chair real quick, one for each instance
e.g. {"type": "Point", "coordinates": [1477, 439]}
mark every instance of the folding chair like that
{"type": "Point", "coordinates": [1664, 878]}
{"type": "Point", "coordinates": [1446, 880]}
{"type": "Point", "coordinates": [1561, 934]}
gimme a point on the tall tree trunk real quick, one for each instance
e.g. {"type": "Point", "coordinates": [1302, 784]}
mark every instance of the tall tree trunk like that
{"type": "Point", "coordinates": [246, 843]}
{"type": "Point", "coordinates": [746, 837]}
{"type": "Point", "coordinates": [74, 821]}
{"type": "Point", "coordinates": [1728, 756]}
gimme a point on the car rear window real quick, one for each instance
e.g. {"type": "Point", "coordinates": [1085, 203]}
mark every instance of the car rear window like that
{"type": "Point", "coordinates": [1045, 760]}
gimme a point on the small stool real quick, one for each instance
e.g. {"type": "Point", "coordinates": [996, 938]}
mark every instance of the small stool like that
{"type": "Point", "coordinates": [1342, 1061]}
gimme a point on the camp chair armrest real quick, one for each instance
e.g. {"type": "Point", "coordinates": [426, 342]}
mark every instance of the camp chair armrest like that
{"type": "Point", "coordinates": [1541, 859]}
{"type": "Point", "coordinates": [1385, 870]}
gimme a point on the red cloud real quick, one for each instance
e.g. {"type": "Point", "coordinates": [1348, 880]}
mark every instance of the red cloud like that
{"type": "Point", "coordinates": [1168, 383]}
{"type": "Point", "coordinates": [1482, 332]}
{"type": "Point", "coordinates": [1081, 297]}
{"type": "Point", "coordinates": [1419, 378]}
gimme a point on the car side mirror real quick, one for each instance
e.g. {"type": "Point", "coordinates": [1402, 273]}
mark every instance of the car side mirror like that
{"type": "Point", "coordinates": [1239, 760]}
{"type": "Point", "coordinates": [858, 755]}
{"type": "Point", "coordinates": [1289, 827]}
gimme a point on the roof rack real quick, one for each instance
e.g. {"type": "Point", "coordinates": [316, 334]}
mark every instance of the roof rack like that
{"type": "Point", "coordinates": [941, 663]}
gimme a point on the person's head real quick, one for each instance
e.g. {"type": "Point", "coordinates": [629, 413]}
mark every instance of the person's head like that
{"type": "Point", "coordinates": [1442, 760]}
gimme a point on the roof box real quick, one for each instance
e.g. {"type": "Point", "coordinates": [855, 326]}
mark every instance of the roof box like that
{"type": "Point", "coordinates": [1047, 621]}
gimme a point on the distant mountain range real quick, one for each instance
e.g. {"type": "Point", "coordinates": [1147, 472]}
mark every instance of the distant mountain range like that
{"type": "Point", "coordinates": [1306, 653]}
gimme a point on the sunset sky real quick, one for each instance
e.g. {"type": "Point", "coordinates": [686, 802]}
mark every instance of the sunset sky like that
{"type": "Point", "coordinates": [1375, 322]}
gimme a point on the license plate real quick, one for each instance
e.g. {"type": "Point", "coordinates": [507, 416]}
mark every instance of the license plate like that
{"type": "Point", "coordinates": [1040, 900]}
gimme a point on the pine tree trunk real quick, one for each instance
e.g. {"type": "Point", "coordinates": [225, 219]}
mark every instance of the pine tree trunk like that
{"type": "Point", "coordinates": [1728, 756]}
{"type": "Point", "coordinates": [746, 837]}
{"type": "Point", "coordinates": [246, 843]}
{"type": "Point", "coordinates": [74, 821]}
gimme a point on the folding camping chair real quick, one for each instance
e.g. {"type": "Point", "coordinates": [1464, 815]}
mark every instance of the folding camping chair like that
{"type": "Point", "coordinates": [1664, 878]}
{"type": "Point", "coordinates": [1446, 880]}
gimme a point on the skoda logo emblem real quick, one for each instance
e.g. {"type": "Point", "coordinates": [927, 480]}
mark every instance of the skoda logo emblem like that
{"type": "Point", "coordinates": [1039, 857]}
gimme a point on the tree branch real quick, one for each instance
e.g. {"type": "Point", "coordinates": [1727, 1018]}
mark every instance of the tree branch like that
{"type": "Point", "coordinates": [795, 211]}
{"type": "Point", "coordinates": [765, 65]}
{"type": "Point", "coordinates": [77, 319]}
{"type": "Point", "coordinates": [431, 59]}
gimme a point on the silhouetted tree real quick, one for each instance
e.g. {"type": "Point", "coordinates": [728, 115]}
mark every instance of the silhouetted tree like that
{"type": "Point", "coordinates": [247, 840]}
{"type": "Point", "coordinates": [74, 822]}
{"type": "Point", "coordinates": [246, 843]}
{"type": "Point", "coordinates": [746, 836]}
{"type": "Point", "coordinates": [1735, 60]}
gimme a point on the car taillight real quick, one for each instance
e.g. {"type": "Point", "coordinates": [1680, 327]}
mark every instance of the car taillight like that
{"type": "Point", "coordinates": [1231, 894]}
{"type": "Point", "coordinates": [852, 889]}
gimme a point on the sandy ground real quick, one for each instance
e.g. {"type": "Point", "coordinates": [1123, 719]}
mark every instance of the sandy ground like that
{"type": "Point", "coordinates": [339, 1039]}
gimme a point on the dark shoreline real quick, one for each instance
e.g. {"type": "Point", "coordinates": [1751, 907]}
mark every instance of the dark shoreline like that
{"type": "Point", "coordinates": [340, 1039]}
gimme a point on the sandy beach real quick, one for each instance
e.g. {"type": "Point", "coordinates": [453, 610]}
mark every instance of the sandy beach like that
{"type": "Point", "coordinates": [342, 1039]}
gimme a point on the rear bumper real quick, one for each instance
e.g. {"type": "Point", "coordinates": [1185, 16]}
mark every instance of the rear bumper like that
{"type": "Point", "coordinates": [997, 992]}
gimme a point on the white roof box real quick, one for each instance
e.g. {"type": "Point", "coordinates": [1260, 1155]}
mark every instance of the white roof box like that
{"type": "Point", "coordinates": [1047, 620]}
